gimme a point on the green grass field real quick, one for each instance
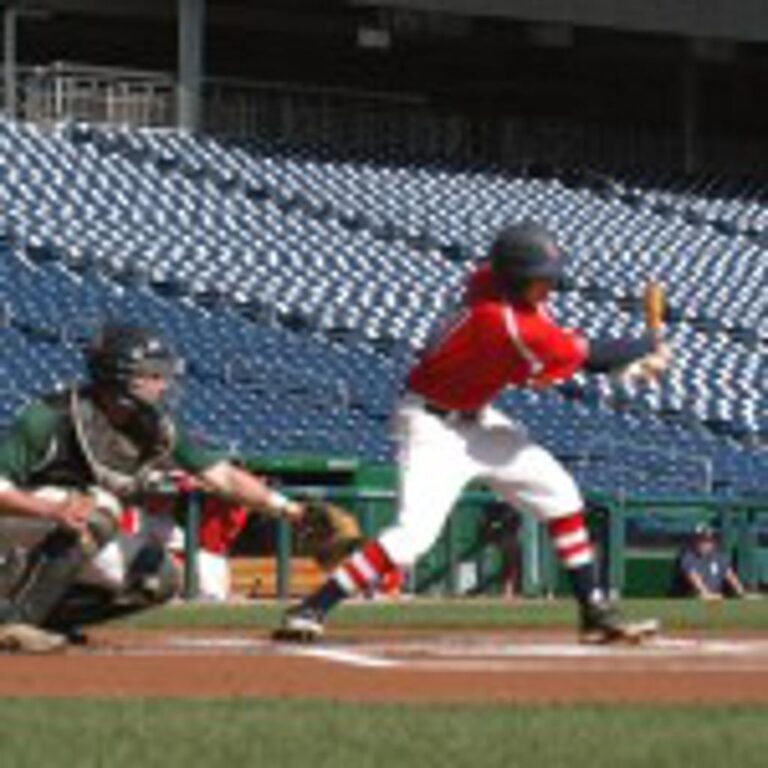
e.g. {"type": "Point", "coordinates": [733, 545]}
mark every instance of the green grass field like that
{"type": "Point", "coordinates": [679, 615]}
{"type": "Point", "coordinates": [241, 732]}
{"type": "Point", "coordinates": [236, 733]}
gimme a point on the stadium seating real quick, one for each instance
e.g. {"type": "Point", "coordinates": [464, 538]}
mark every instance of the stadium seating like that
{"type": "Point", "coordinates": [296, 286]}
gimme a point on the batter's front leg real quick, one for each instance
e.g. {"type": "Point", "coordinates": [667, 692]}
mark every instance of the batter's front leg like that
{"type": "Point", "coordinates": [533, 481]}
{"type": "Point", "coordinates": [433, 471]}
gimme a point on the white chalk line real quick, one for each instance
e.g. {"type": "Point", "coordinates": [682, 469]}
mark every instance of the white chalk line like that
{"type": "Point", "coordinates": [343, 656]}
{"type": "Point", "coordinates": [662, 654]}
{"type": "Point", "coordinates": [665, 655]}
{"type": "Point", "coordinates": [660, 647]}
{"type": "Point", "coordinates": [216, 643]}
{"type": "Point", "coordinates": [606, 666]}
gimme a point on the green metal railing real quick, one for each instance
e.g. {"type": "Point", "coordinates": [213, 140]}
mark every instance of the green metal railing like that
{"type": "Point", "coordinates": [738, 520]}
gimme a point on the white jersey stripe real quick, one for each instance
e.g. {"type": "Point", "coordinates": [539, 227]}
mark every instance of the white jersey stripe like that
{"type": "Point", "coordinates": [514, 334]}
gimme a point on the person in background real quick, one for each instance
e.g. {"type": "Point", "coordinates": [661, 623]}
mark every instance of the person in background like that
{"type": "Point", "coordinates": [501, 528]}
{"type": "Point", "coordinates": [221, 522]}
{"type": "Point", "coordinates": [703, 571]}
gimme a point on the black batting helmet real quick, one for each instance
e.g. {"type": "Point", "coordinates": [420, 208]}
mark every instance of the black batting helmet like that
{"type": "Point", "coordinates": [118, 353]}
{"type": "Point", "coordinates": [525, 251]}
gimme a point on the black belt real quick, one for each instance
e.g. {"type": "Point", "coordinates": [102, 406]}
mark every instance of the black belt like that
{"type": "Point", "coordinates": [449, 414]}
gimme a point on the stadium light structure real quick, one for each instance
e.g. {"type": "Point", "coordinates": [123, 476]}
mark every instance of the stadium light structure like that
{"type": "Point", "coordinates": [12, 12]}
{"type": "Point", "coordinates": [191, 31]}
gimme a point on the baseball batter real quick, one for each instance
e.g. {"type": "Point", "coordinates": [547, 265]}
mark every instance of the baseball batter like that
{"type": "Point", "coordinates": [66, 462]}
{"type": "Point", "coordinates": [449, 432]}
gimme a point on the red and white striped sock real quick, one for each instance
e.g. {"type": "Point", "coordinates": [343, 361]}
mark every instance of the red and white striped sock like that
{"type": "Point", "coordinates": [570, 539]}
{"type": "Point", "coordinates": [364, 569]}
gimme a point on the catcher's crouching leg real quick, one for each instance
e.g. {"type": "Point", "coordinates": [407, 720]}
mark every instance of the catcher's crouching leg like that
{"type": "Point", "coordinates": [51, 569]}
{"type": "Point", "coordinates": [151, 580]}
{"type": "Point", "coordinates": [153, 575]}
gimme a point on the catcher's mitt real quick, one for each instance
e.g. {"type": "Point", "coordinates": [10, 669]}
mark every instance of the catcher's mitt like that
{"type": "Point", "coordinates": [328, 533]}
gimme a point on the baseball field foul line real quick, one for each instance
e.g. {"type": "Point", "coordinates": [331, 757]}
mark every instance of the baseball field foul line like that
{"type": "Point", "coordinates": [343, 656]}
{"type": "Point", "coordinates": [440, 653]}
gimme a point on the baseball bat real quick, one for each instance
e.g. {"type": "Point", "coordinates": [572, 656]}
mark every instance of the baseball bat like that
{"type": "Point", "coordinates": [654, 305]}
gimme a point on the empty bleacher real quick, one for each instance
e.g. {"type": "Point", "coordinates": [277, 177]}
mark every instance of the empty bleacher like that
{"type": "Point", "coordinates": [296, 286]}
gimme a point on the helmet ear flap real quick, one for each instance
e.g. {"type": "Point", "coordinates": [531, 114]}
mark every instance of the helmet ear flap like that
{"type": "Point", "coordinates": [512, 282]}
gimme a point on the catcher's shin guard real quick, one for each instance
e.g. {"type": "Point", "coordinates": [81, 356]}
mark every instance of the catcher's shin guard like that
{"type": "Point", "coordinates": [301, 624]}
{"type": "Point", "coordinates": [153, 575]}
{"type": "Point", "coordinates": [602, 624]}
{"type": "Point", "coordinates": [152, 580]}
{"type": "Point", "coordinates": [52, 567]}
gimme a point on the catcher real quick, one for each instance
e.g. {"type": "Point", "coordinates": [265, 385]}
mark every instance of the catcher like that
{"type": "Point", "coordinates": [72, 459]}
{"type": "Point", "coordinates": [502, 334]}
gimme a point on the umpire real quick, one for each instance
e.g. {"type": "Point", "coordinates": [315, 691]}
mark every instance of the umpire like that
{"type": "Point", "coordinates": [68, 452]}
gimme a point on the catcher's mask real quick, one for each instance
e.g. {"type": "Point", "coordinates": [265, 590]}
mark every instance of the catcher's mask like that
{"type": "Point", "coordinates": [135, 369]}
{"type": "Point", "coordinates": [523, 252]}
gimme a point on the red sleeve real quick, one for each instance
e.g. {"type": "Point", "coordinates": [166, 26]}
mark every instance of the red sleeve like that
{"type": "Point", "coordinates": [221, 523]}
{"type": "Point", "coordinates": [556, 353]}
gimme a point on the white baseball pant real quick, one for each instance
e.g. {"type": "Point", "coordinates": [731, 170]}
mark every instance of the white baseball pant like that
{"type": "Point", "coordinates": [439, 455]}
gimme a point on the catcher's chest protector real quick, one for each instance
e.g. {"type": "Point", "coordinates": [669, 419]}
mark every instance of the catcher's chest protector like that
{"type": "Point", "coordinates": [89, 450]}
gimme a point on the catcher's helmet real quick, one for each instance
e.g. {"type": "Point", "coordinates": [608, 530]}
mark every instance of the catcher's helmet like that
{"type": "Point", "coordinates": [118, 353]}
{"type": "Point", "coordinates": [525, 251]}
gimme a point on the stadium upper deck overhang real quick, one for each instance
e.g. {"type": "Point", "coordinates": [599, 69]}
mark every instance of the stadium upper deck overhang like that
{"type": "Point", "coordinates": [740, 20]}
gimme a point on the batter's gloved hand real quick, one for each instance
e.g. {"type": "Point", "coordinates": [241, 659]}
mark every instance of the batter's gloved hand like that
{"type": "Point", "coordinates": [328, 532]}
{"type": "Point", "coordinates": [651, 367]}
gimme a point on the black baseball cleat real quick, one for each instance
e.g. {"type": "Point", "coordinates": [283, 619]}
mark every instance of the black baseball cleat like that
{"type": "Point", "coordinates": [602, 624]}
{"type": "Point", "coordinates": [301, 624]}
{"type": "Point", "coordinates": [76, 636]}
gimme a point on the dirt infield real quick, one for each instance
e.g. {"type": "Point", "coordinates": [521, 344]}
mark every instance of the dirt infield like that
{"type": "Point", "coordinates": [425, 666]}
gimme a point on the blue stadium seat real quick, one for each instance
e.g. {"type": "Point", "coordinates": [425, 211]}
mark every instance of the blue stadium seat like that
{"type": "Point", "coordinates": [262, 264]}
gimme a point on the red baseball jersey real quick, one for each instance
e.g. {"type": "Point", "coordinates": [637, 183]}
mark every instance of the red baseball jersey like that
{"type": "Point", "coordinates": [490, 343]}
{"type": "Point", "coordinates": [220, 524]}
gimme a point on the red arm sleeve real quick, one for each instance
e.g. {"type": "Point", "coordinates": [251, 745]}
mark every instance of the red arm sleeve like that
{"type": "Point", "coordinates": [557, 353]}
